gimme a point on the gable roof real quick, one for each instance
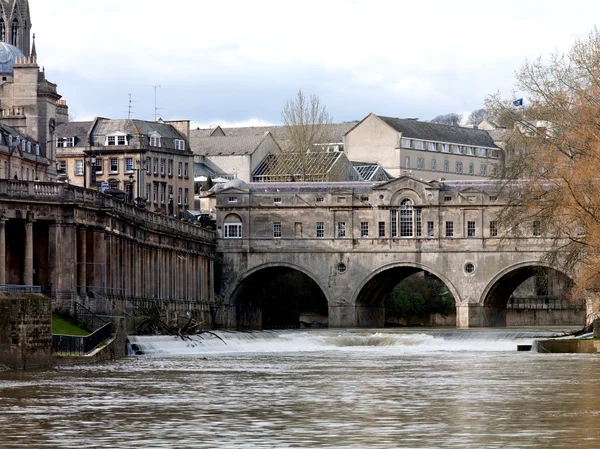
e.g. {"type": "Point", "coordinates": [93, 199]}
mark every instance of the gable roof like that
{"type": "Point", "coordinates": [79, 130]}
{"type": "Point", "coordinates": [416, 129]}
{"type": "Point", "coordinates": [226, 145]}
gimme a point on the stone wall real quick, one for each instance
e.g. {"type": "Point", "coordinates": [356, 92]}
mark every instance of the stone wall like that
{"type": "Point", "coordinates": [25, 331]}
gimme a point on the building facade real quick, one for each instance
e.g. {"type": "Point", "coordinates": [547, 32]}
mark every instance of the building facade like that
{"type": "Point", "coordinates": [29, 103]}
{"type": "Point", "coordinates": [150, 162]}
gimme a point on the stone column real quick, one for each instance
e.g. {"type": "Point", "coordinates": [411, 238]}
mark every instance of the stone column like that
{"type": "Point", "coordinates": [2, 251]}
{"type": "Point", "coordinates": [28, 269]}
{"type": "Point", "coordinates": [81, 260]}
{"type": "Point", "coordinates": [99, 283]}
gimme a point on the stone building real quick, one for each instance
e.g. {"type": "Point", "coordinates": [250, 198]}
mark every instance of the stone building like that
{"type": "Point", "coordinates": [144, 159]}
{"type": "Point", "coordinates": [20, 157]}
{"type": "Point", "coordinates": [29, 103]}
{"type": "Point", "coordinates": [428, 151]}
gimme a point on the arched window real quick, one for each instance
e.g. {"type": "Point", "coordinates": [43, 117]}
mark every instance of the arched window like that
{"type": "Point", "coordinates": [406, 221]}
{"type": "Point", "coordinates": [15, 32]}
{"type": "Point", "coordinates": [2, 30]}
{"type": "Point", "coordinates": [406, 218]}
{"type": "Point", "coordinates": [232, 227]}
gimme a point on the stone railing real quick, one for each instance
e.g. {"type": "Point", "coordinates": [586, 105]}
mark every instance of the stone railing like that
{"type": "Point", "coordinates": [66, 193]}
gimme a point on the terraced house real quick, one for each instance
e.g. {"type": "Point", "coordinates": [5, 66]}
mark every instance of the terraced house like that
{"type": "Point", "coordinates": [150, 161]}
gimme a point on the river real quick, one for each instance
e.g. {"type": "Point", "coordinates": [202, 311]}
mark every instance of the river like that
{"type": "Point", "coordinates": [312, 389]}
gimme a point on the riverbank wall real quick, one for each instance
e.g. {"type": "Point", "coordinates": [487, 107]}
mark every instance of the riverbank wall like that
{"type": "Point", "coordinates": [25, 330]}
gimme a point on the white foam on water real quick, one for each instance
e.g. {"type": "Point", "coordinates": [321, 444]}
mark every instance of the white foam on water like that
{"type": "Point", "coordinates": [331, 340]}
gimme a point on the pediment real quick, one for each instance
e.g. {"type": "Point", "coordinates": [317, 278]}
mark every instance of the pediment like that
{"type": "Point", "coordinates": [421, 192]}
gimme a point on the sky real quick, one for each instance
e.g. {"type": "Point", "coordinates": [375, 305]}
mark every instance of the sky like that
{"type": "Point", "coordinates": [237, 62]}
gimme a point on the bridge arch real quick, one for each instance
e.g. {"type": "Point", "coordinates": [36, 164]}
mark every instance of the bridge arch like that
{"type": "Point", "coordinates": [371, 293]}
{"type": "Point", "coordinates": [499, 291]}
{"type": "Point", "coordinates": [263, 297]}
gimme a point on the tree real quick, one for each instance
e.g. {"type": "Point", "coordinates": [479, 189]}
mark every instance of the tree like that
{"type": "Point", "coordinates": [478, 116]}
{"type": "Point", "coordinates": [307, 138]}
{"type": "Point", "coordinates": [552, 169]}
{"type": "Point", "coordinates": [453, 119]}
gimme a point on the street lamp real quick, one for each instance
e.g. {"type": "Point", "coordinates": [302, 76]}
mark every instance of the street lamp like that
{"type": "Point", "coordinates": [131, 181]}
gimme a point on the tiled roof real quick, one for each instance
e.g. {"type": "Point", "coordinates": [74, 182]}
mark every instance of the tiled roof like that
{"type": "Point", "coordinates": [135, 127]}
{"type": "Point", "coordinates": [79, 130]}
{"type": "Point", "coordinates": [440, 133]}
{"type": "Point", "coordinates": [225, 145]}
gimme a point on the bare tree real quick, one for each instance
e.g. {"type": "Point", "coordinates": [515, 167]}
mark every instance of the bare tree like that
{"type": "Point", "coordinates": [478, 116]}
{"type": "Point", "coordinates": [452, 118]}
{"type": "Point", "coordinates": [307, 138]}
{"type": "Point", "coordinates": [552, 172]}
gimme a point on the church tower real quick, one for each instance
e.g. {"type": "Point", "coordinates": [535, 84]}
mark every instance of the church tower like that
{"type": "Point", "coordinates": [15, 24]}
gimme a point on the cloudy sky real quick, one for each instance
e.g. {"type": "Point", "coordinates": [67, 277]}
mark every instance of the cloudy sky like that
{"type": "Point", "coordinates": [238, 61]}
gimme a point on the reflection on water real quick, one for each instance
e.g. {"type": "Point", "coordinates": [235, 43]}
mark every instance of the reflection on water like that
{"type": "Point", "coordinates": [331, 389]}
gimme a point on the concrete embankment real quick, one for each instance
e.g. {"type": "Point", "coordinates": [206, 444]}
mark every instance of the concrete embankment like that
{"type": "Point", "coordinates": [569, 346]}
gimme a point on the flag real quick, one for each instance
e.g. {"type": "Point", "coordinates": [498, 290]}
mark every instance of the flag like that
{"type": "Point", "coordinates": [518, 102]}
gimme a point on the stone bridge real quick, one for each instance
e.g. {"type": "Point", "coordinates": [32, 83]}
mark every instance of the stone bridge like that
{"type": "Point", "coordinates": [82, 245]}
{"type": "Point", "coordinates": [357, 241]}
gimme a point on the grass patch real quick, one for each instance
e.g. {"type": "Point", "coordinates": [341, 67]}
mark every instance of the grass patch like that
{"type": "Point", "coordinates": [64, 327]}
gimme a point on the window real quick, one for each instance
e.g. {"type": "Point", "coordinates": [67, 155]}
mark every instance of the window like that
{"type": "Point", "coordinates": [320, 199]}
{"type": "Point", "coordinates": [99, 166]}
{"type": "Point", "coordinates": [537, 228]}
{"type": "Point", "coordinates": [449, 229]}
{"type": "Point", "coordinates": [445, 148]}
{"type": "Point", "coordinates": [61, 166]}
{"type": "Point", "coordinates": [418, 223]}
{"type": "Point", "coordinates": [407, 162]}
{"type": "Point", "coordinates": [148, 189]}
{"type": "Point", "coordinates": [155, 195]}
{"type": "Point", "coordinates": [121, 140]}
{"type": "Point", "coordinates": [163, 164]}
{"type": "Point", "coordinates": [186, 193]}
{"type": "Point", "coordinates": [405, 143]}
{"type": "Point", "coordinates": [186, 167]}
{"type": "Point", "coordinates": [483, 170]}
{"type": "Point", "coordinates": [394, 223]}
{"type": "Point", "coordinates": [179, 144]}
{"type": "Point", "coordinates": [364, 229]}
{"type": "Point", "coordinates": [276, 200]}
{"type": "Point", "coordinates": [446, 166]}
{"type": "Point", "coordinates": [493, 198]}
{"type": "Point", "coordinates": [128, 164]}
{"type": "Point", "coordinates": [493, 229]}
{"type": "Point", "coordinates": [406, 218]}
{"type": "Point", "coordinates": [233, 230]}
{"type": "Point", "coordinates": [469, 151]}
{"type": "Point", "coordinates": [430, 229]}
{"type": "Point", "coordinates": [179, 169]}
{"type": "Point", "coordinates": [155, 166]}
{"type": "Point", "coordinates": [113, 165]}
{"type": "Point", "coordinates": [129, 191]}
{"type": "Point", "coordinates": [459, 167]}
{"type": "Point", "coordinates": [163, 194]}
{"type": "Point", "coordinates": [433, 165]}
{"type": "Point", "coordinates": [447, 198]}
{"type": "Point", "coordinates": [233, 199]}
{"type": "Point", "coordinates": [341, 229]}
{"type": "Point", "coordinates": [277, 230]}
{"type": "Point", "coordinates": [65, 142]}
{"type": "Point", "coordinates": [470, 229]}
{"type": "Point", "coordinates": [170, 167]}
{"type": "Point", "coordinates": [179, 195]}
{"type": "Point", "coordinates": [320, 229]}
{"type": "Point", "coordinates": [111, 140]}
{"type": "Point", "coordinates": [148, 164]}
{"type": "Point", "coordinates": [471, 169]}
{"type": "Point", "coordinates": [420, 164]}
{"type": "Point", "coordinates": [457, 149]}
{"type": "Point", "coordinates": [341, 199]}
{"type": "Point", "coordinates": [431, 146]}
{"type": "Point", "coordinates": [155, 141]}
{"type": "Point", "coordinates": [419, 145]}
{"type": "Point", "coordinates": [481, 152]}
{"type": "Point", "coordinates": [79, 167]}
{"type": "Point", "coordinates": [364, 199]}
{"type": "Point", "coordinates": [381, 226]}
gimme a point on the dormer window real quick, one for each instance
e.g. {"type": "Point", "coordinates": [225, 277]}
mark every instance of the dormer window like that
{"type": "Point", "coordinates": [65, 142]}
{"type": "Point", "coordinates": [179, 144]}
{"type": "Point", "coordinates": [155, 140]}
{"type": "Point", "coordinates": [116, 140]}
{"type": "Point", "coordinates": [405, 143]}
